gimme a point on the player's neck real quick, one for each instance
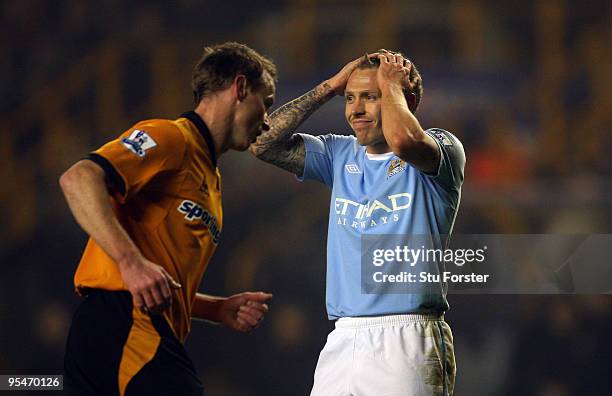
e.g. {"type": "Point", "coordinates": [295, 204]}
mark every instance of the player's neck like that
{"type": "Point", "coordinates": [215, 115]}
{"type": "Point", "coordinates": [378, 148]}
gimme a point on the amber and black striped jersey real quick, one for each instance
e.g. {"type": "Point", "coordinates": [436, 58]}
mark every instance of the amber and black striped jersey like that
{"type": "Point", "coordinates": [166, 192]}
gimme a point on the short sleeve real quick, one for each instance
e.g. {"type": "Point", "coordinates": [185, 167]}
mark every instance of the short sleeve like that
{"type": "Point", "coordinates": [450, 172]}
{"type": "Point", "coordinates": [318, 164]}
{"type": "Point", "coordinates": [139, 154]}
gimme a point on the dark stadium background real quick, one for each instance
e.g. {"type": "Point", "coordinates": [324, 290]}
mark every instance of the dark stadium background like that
{"type": "Point", "coordinates": [526, 85]}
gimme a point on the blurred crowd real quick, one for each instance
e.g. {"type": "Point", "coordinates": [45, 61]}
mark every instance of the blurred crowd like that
{"type": "Point", "coordinates": [524, 84]}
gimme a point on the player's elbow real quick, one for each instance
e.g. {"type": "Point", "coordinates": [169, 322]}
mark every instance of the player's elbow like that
{"type": "Point", "coordinates": [417, 151]}
{"type": "Point", "coordinates": [68, 179]}
{"type": "Point", "coordinates": [81, 172]}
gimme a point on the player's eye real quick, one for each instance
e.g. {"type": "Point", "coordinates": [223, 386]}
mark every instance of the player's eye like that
{"type": "Point", "coordinates": [372, 97]}
{"type": "Point", "coordinates": [349, 98]}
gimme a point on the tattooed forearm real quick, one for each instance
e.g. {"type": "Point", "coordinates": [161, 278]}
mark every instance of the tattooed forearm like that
{"type": "Point", "coordinates": [279, 146]}
{"type": "Point", "coordinates": [288, 154]}
{"type": "Point", "coordinates": [289, 116]}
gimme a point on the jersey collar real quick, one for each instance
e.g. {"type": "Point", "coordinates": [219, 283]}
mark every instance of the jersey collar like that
{"type": "Point", "coordinates": [204, 131]}
{"type": "Point", "coordinates": [379, 157]}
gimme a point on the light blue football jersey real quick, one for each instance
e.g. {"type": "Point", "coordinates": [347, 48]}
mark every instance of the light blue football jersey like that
{"type": "Point", "coordinates": [381, 195]}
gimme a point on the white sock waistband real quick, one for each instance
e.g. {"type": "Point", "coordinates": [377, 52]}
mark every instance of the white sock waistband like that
{"type": "Point", "coordinates": [369, 321]}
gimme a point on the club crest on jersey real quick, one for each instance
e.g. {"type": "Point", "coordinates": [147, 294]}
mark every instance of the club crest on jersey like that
{"type": "Point", "coordinates": [139, 142]}
{"type": "Point", "coordinates": [195, 212]}
{"type": "Point", "coordinates": [396, 166]}
{"type": "Point", "coordinates": [442, 138]}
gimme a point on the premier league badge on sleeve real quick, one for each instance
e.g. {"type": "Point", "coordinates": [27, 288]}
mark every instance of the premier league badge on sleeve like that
{"type": "Point", "coordinates": [139, 142]}
{"type": "Point", "coordinates": [441, 137]}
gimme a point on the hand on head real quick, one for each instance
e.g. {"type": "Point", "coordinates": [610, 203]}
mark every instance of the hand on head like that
{"type": "Point", "coordinates": [394, 67]}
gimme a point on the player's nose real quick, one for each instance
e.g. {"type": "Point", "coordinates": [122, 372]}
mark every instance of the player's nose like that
{"type": "Point", "coordinates": [357, 107]}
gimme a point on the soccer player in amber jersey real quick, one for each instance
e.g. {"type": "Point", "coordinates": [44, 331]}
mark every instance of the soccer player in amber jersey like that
{"type": "Point", "coordinates": [151, 203]}
{"type": "Point", "coordinates": [392, 178]}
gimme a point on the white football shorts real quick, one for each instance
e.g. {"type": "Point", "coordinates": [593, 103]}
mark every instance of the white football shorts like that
{"type": "Point", "coordinates": [387, 356]}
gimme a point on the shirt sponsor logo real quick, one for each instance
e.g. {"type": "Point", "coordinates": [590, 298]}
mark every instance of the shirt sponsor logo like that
{"type": "Point", "coordinates": [139, 142]}
{"type": "Point", "coordinates": [195, 212]}
{"type": "Point", "coordinates": [352, 168]}
{"type": "Point", "coordinates": [396, 166]}
{"type": "Point", "coordinates": [372, 213]}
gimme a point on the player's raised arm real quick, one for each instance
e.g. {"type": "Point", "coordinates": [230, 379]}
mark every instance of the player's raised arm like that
{"type": "Point", "coordinates": [279, 146]}
{"type": "Point", "coordinates": [402, 130]}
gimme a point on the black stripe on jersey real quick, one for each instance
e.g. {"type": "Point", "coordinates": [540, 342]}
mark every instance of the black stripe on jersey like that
{"type": "Point", "coordinates": [204, 131]}
{"type": "Point", "coordinates": [112, 176]}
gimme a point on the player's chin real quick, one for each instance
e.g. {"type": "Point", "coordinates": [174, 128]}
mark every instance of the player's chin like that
{"type": "Point", "coordinates": [361, 137]}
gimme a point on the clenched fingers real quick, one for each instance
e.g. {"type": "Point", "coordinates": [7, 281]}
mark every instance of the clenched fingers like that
{"type": "Point", "coordinates": [250, 315]}
{"type": "Point", "coordinates": [155, 295]}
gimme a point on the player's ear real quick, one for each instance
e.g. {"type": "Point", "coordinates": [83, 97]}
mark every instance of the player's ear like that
{"type": "Point", "coordinates": [240, 84]}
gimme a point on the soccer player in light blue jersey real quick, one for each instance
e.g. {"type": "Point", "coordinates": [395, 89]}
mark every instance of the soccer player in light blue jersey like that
{"type": "Point", "coordinates": [392, 178]}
